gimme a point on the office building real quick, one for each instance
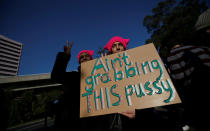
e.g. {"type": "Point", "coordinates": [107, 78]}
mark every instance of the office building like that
{"type": "Point", "coordinates": [10, 53]}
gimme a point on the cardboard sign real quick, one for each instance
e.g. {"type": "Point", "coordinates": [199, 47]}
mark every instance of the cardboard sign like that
{"type": "Point", "coordinates": [132, 79]}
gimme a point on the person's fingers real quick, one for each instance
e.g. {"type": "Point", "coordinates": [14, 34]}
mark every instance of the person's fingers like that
{"type": "Point", "coordinates": [102, 54]}
{"type": "Point", "coordinates": [67, 43]}
{"type": "Point", "coordinates": [128, 114]}
{"type": "Point", "coordinates": [122, 113]}
{"type": "Point", "coordinates": [71, 44]}
{"type": "Point", "coordinates": [64, 48]}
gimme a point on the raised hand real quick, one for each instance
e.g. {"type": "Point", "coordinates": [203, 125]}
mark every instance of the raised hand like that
{"type": "Point", "coordinates": [67, 49]}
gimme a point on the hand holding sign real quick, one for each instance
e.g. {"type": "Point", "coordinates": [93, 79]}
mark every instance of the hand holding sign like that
{"type": "Point", "coordinates": [130, 114]}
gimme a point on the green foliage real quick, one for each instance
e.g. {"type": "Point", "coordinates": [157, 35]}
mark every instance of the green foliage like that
{"type": "Point", "coordinates": [173, 22]}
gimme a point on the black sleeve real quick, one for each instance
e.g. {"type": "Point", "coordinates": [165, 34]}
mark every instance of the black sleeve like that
{"type": "Point", "coordinates": [59, 73]}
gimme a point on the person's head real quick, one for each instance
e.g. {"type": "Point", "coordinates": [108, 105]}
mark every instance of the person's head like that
{"type": "Point", "coordinates": [203, 21]}
{"type": "Point", "coordinates": [85, 55]}
{"type": "Point", "coordinates": [202, 27]}
{"type": "Point", "coordinates": [116, 44]}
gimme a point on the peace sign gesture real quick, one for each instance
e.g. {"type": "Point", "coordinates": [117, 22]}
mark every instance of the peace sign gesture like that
{"type": "Point", "coordinates": [67, 49]}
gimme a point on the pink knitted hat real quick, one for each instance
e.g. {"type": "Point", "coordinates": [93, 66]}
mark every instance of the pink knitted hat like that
{"type": "Point", "coordinates": [89, 52]}
{"type": "Point", "coordinates": [114, 39]}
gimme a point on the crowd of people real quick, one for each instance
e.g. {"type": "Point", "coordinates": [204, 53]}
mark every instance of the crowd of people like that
{"type": "Point", "coordinates": [188, 66]}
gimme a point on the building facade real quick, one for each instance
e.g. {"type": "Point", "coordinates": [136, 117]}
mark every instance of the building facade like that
{"type": "Point", "coordinates": [10, 53]}
{"type": "Point", "coordinates": [27, 99]}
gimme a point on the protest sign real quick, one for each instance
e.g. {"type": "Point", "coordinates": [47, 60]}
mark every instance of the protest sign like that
{"type": "Point", "coordinates": [132, 79]}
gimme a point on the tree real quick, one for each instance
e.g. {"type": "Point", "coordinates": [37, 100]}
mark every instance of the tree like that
{"type": "Point", "coordinates": [173, 22]}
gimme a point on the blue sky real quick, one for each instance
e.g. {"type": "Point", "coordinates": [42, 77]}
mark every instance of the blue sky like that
{"type": "Point", "coordinates": [43, 26]}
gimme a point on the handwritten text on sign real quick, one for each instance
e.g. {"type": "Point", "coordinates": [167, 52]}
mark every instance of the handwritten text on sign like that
{"type": "Point", "coordinates": [131, 79]}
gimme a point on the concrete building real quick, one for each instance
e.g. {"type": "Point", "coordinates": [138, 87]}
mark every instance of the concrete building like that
{"type": "Point", "coordinates": [10, 53]}
{"type": "Point", "coordinates": [18, 90]}
{"type": "Point", "coordinates": [28, 82]}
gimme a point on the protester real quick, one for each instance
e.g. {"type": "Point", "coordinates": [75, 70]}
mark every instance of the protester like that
{"type": "Point", "coordinates": [124, 120]}
{"type": "Point", "coordinates": [189, 69]}
{"type": "Point", "coordinates": [69, 103]}
{"type": "Point", "coordinates": [137, 119]}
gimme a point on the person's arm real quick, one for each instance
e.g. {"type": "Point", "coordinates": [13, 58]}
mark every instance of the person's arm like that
{"type": "Point", "coordinates": [59, 73]}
